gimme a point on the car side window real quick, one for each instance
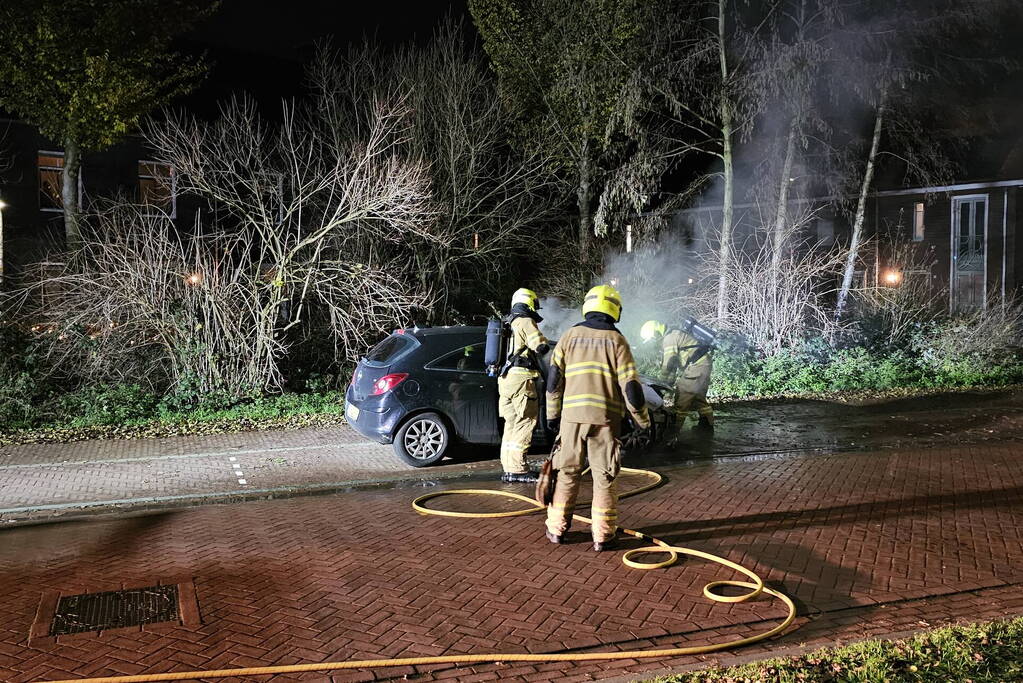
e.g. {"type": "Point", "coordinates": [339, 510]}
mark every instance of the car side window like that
{"type": "Point", "coordinates": [463, 359]}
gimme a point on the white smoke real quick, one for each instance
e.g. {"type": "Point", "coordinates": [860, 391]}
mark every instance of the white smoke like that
{"type": "Point", "coordinates": [558, 316]}
{"type": "Point", "coordinates": [658, 281]}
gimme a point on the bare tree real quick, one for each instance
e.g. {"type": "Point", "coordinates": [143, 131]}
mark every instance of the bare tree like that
{"type": "Point", "coordinates": [299, 244]}
{"type": "Point", "coordinates": [318, 205]}
{"type": "Point", "coordinates": [708, 86]}
{"type": "Point", "coordinates": [488, 201]}
{"type": "Point", "coordinates": [903, 298]}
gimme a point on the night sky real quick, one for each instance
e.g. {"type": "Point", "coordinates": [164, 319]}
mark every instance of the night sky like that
{"type": "Point", "coordinates": [260, 47]}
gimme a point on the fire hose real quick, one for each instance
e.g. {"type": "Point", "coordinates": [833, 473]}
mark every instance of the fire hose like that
{"type": "Point", "coordinates": [755, 588]}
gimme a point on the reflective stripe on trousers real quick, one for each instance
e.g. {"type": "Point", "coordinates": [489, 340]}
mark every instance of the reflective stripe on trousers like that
{"type": "Point", "coordinates": [599, 446]}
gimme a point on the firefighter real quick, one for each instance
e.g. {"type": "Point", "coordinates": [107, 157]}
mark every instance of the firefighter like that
{"type": "Point", "coordinates": [592, 381]}
{"type": "Point", "coordinates": [682, 352]}
{"type": "Point", "coordinates": [517, 385]}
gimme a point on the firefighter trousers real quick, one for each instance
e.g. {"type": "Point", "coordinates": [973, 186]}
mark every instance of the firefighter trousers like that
{"type": "Point", "coordinates": [599, 445]}
{"type": "Point", "coordinates": [519, 407]}
{"type": "Point", "coordinates": [691, 393]}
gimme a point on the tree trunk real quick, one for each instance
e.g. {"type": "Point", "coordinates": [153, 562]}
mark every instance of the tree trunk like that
{"type": "Point", "coordinates": [725, 106]}
{"type": "Point", "coordinates": [69, 194]}
{"type": "Point", "coordinates": [861, 209]}
{"type": "Point", "coordinates": [584, 200]}
{"type": "Point", "coordinates": [779, 230]}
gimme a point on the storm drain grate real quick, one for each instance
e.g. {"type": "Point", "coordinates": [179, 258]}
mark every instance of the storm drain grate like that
{"type": "Point", "coordinates": [115, 609]}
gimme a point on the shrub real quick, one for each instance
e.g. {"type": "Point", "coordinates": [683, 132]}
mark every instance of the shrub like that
{"type": "Point", "coordinates": [23, 382]}
{"type": "Point", "coordinates": [106, 405]}
{"type": "Point", "coordinates": [976, 652]}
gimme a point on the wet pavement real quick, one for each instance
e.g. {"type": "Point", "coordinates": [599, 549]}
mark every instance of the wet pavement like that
{"type": "Point", "coordinates": [968, 417]}
{"type": "Point", "coordinates": [42, 482]}
{"type": "Point", "coordinates": [869, 543]}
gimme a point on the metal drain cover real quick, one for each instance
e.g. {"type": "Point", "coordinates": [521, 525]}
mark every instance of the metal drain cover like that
{"type": "Point", "coordinates": [115, 609]}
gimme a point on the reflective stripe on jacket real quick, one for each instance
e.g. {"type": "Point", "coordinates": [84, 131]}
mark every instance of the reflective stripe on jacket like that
{"type": "Point", "coordinates": [590, 372]}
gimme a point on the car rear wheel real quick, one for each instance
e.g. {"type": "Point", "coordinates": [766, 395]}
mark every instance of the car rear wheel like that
{"type": "Point", "coordinates": [422, 440]}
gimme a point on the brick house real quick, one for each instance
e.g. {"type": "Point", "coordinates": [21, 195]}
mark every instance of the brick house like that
{"type": "Point", "coordinates": [962, 236]}
{"type": "Point", "coordinates": [31, 175]}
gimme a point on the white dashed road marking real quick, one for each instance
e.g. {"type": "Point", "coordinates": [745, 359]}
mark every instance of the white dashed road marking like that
{"type": "Point", "coordinates": [238, 470]}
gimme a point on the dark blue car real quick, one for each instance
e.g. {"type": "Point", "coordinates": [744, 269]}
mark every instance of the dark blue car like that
{"type": "Point", "coordinates": [422, 389]}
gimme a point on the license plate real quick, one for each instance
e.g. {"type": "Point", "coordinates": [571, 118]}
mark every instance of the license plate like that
{"type": "Point", "coordinates": [353, 413]}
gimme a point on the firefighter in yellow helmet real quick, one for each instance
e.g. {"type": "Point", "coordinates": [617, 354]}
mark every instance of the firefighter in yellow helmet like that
{"type": "Point", "coordinates": [681, 352]}
{"type": "Point", "coordinates": [592, 382]}
{"type": "Point", "coordinates": [516, 386]}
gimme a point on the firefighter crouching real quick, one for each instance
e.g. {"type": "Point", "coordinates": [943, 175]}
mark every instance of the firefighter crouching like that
{"type": "Point", "coordinates": [592, 380]}
{"type": "Point", "coordinates": [682, 352]}
{"type": "Point", "coordinates": [516, 386]}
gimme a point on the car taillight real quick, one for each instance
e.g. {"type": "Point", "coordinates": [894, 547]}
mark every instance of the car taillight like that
{"type": "Point", "coordinates": [388, 382]}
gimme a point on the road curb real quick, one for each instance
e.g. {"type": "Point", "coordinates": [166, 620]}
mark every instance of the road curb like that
{"type": "Point", "coordinates": [90, 510]}
{"type": "Point", "coordinates": [65, 512]}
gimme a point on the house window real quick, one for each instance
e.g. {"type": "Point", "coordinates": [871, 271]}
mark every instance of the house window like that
{"type": "Point", "coordinates": [825, 232]}
{"type": "Point", "coordinates": [51, 181]}
{"type": "Point", "coordinates": [918, 222]}
{"type": "Point", "coordinates": [157, 187]}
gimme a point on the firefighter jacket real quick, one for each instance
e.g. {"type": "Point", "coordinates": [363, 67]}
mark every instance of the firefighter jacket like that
{"type": "Point", "coordinates": [680, 350]}
{"type": "Point", "coordinates": [525, 337]}
{"type": "Point", "coordinates": [593, 376]}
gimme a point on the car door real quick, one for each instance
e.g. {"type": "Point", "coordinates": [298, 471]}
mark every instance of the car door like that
{"type": "Point", "coordinates": [473, 393]}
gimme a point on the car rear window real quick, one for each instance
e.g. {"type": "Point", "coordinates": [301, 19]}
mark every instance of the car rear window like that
{"type": "Point", "coordinates": [466, 359]}
{"type": "Point", "coordinates": [390, 349]}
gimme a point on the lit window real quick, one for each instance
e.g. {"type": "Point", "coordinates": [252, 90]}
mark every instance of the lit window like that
{"type": "Point", "coordinates": [918, 222]}
{"type": "Point", "coordinates": [51, 181]}
{"type": "Point", "coordinates": [156, 187]}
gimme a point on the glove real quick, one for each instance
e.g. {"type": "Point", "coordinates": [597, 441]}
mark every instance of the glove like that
{"type": "Point", "coordinates": [554, 424]}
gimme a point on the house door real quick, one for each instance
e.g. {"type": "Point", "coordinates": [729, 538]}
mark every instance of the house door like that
{"type": "Point", "coordinates": [969, 251]}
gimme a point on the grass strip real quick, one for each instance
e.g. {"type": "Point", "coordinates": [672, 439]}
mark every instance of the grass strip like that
{"type": "Point", "coordinates": [974, 653]}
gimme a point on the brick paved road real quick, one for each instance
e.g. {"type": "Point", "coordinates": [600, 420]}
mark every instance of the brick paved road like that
{"type": "Point", "coordinates": [42, 481]}
{"type": "Point", "coordinates": [868, 543]}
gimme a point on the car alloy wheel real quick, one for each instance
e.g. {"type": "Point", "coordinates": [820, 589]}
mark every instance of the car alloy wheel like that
{"type": "Point", "coordinates": [424, 439]}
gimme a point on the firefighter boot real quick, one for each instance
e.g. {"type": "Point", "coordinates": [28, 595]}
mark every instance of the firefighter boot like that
{"type": "Point", "coordinates": [601, 546]}
{"type": "Point", "coordinates": [706, 423]}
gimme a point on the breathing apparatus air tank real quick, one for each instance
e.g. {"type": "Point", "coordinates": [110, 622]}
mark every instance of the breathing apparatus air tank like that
{"type": "Point", "coordinates": [494, 351]}
{"type": "Point", "coordinates": [705, 335]}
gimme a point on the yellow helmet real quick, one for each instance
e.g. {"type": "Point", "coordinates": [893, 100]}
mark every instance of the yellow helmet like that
{"type": "Point", "coordinates": [603, 299]}
{"type": "Point", "coordinates": [652, 329]}
{"type": "Point", "coordinates": [526, 296]}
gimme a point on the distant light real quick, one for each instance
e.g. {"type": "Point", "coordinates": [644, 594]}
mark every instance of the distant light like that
{"type": "Point", "coordinates": [194, 279]}
{"type": "Point", "coordinates": [690, 280]}
{"type": "Point", "coordinates": [893, 277]}
{"type": "Point", "coordinates": [628, 239]}
{"type": "Point", "coordinates": [3, 204]}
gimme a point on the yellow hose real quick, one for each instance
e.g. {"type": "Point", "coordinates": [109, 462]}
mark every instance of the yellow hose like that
{"type": "Point", "coordinates": [757, 588]}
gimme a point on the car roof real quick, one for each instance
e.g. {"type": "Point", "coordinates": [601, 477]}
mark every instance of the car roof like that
{"type": "Point", "coordinates": [445, 329]}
